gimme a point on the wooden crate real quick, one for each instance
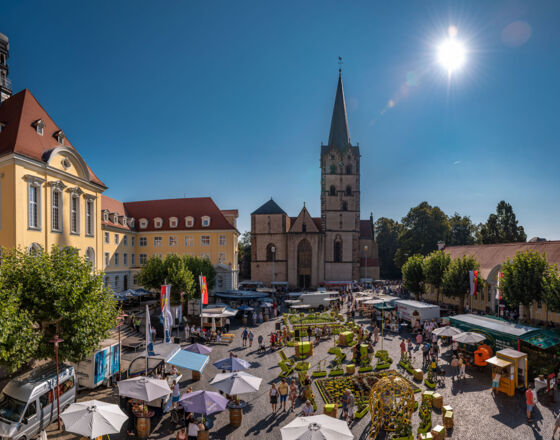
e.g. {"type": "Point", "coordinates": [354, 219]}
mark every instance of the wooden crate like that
{"type": "Point", "coordinates": [418, 375]}
{"type": "Point", "coordinates": [437, 400]}
{"type": "Point", "coordinates": [331, 409]}
{"type": "Point", "coordinates": [448, 421]}
{"type": "Point", "coordinates": [438, 432]}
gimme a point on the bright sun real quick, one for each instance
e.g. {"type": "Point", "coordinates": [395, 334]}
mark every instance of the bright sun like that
{"type": "Point", "coordinates": [451, 55]}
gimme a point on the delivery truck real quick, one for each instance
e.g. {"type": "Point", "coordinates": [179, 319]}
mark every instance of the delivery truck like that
{"type": "Point", "coordinates": [98, 368]}
{"type": "Point", "coordinates": [411, 311]}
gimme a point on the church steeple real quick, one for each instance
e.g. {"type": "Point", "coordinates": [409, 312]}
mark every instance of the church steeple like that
{"type": "Point", "coordinates": [339, 135]}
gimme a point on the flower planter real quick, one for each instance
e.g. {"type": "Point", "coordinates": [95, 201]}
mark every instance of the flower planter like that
{"type": "Point", "coordinates": [448, 421]}
{"type": "Point", "coordinates": [363, 412]}
{"type": "Point", "coordinates": [438, 432]}
{"type": "Point", "coordinates": [350, 369]}
{"type": "Point", "coordinates": [331, 409]}
{"type": "Point", "coordinates": [319, 374]}
{"type": "Point", "coordinates": [437, 401]}
{"type": "Point", "coordinates": [334, 373]}
{"type": "Point", "coordinates": [418, 375]}
{"type": "Point", "coordinates": [430, 384]}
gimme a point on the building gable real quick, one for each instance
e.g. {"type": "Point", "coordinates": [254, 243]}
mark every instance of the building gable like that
{"type": "Point", "coordinates": [304, 223]}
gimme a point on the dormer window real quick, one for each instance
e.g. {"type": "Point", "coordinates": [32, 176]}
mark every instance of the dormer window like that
{"type": "Point", "coordinates": [173, 221]}
{"type": "Point", "coordinates": [59, 135]}
{"type": "Point", "coordinates": [124, 220]}
{"type": "Point", "coordinates": [189, 222]}
{"type": "Point", "coordinates": [143, 223]}
{"type": "Point", "coordinates": [158, 222]}
{"type": "Point", "coordinates": [205, 221]}
{"type": "Point", "coordinates": [115, 218]}
{"type": "Point", "coordinates": [39, 126]}
{"type": "Point", "coordinates": [105, 216]}
{"type": "Point", "coordinates": [131, 222]}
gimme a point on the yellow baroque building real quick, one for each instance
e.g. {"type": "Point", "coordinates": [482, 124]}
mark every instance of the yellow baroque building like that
{"type": "Point", "coordinates": [49, 196]}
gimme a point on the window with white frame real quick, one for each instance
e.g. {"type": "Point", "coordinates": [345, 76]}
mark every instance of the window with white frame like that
{"type": "Point", "coordinates": [116, 238]}
{"type": "Point", "coordinates": [158, 222]}
{"type": "Point", "coordinates": [125, 259]}
{"type": "Point", "coordinates": [135, 280]}
{"type": "Point", "coordinates": [56, 207]}
{"type": "Point", "coordinates": [221, 257]}
{"type": "Point", "coordinates": [172, 240]}
{"type": "Point", "coordinates": [115, 218]}
{"type": "Point", "coordinates": [222, 240]}
{"type": "Point", "coordinates": [39, 126]}
{"type": "Point", "coordinates": [117, 283]}
{"type": "Point", "coordinates": [189, 241]}
{"type": "Point", "coordinates": [124, 221]}
{"type": "Point", "coordinates": [105, 216]}
{"type": "Point", "coordinates": [107, 259]}
{"type": "Point", "coordinates": [189, 222]}
{"type": "Point", "coordinates": [125, 240]}
{"type": "Point", "coordinates": [157, 241]}
{"type": "Point", "coordinates": [205, 240]}
{"type": "Point", "coordinates": [143, 223]}
{"type": "Point", "coordinates": [173, 221]}
{"type": "Point", "coordinates": [34, 202]}
{"type": "Point", "coordinates": [75, 213]}
{"type": "Point", "coordinates": [107, 240]}
{"type": "Point", "coordinates": [142, 258]}
{"type": "Point", "coordinates": [143, 241]}
{"type": "Point", "coordinates": [89, 218]}
{"type": "Point", "coordinates": [205, 221]}
{"type": "Point", "coordinates": [205, 256]}
{"type": "Point", "coordinates": [133, 260]}
{"type": "Point", "coordinates": [132, 240]}
{"type": "Point", "coordinates": [116, 258]}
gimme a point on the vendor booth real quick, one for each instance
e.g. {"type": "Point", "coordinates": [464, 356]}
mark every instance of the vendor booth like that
{"type": "Point", "coordinates": [512, 367]}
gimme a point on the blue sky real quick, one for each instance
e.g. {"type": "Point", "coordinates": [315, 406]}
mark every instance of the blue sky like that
{"type": "Point", "coordinates": [233, 99]}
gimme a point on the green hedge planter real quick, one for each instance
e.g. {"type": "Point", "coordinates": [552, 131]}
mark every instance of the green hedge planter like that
{"type": "Point", "coordinates": [302, 366]}
{"type": "Point", "coordinates": [382, 366]}
{"type": "Point", "coordinates": [334, 373]}
{"type": "Point", "coordinates": [429, 384]}
{"type": "Point", "coordinates": [365, 369]}
{"type": "Point", "coordinates": [425, 429]}
{"type": "Point", "coordinates": [334, 350]}
{"type": "Point", "coordinates": [360, 414]}
{"type": "Point", "coordinates": [319, 374]}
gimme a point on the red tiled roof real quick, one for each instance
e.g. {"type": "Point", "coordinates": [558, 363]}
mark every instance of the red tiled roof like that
{"type": "Point", "coordinates": [18, 113]}
{"type": "Point", "coordinates": [365, 229]}
{"type": "Point", "coordinates": [317, 221]}
{"type": "Point", "coordinates": [114, 206]}
{"type": "Point", "coordinates": [234, 212]}
{"type": "Point", "coordinates": [180, 208]}
{"type": "Point", "coordinates": [491, 255]}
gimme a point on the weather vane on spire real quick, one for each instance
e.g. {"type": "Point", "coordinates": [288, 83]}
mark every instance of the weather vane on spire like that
{"type": "Point", "coordinates": [340, 64]}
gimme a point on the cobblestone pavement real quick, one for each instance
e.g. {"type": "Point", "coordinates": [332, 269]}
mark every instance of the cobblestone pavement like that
{"type": "Point", "coordinates": [478, 415]}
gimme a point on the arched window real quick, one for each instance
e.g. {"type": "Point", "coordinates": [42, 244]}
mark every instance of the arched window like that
{"type": "Point", "coordinates": [337, 249]}
{"type": "Point", "coordinates": [90, 255]}
{"type": "Point", "coordinates": [348, 190]}
{"type": "Point", "coordinates": [348, 169]}
{"type": "Point", "coordinates": [332, 191]}
{"type": "Point", "coordinates": [35, 249]}
{"type": "Point", "coordinates": [271, 252]}
{"type": "Point", "coordinates": [344, 205]}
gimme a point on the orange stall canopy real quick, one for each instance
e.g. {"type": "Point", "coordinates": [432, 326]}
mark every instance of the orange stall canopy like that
{"type": "Point", "coordinates": [481, 354]}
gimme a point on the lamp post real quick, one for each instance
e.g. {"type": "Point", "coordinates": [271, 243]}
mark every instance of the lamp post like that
{"type": "Point", "coordinates": [120, 320]}
{"type": "Point", "coordinates": [56, 340]}
{"type": "Point", "coordinates": [273, 250]}
{"type": "Point", "coordinates": [366, 249]}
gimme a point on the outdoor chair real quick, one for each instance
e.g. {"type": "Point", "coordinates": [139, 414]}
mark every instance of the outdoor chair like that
{"type": "Point", "coordinates": [286, 369]}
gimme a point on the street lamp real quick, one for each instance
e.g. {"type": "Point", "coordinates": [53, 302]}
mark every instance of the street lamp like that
{"type": "Point", "coordinates": [366, 249]}
{"type": "Point", "coordinates": [56, 340]}
{"type": "Point", "coordinates": [273, 250]}
{"type": "Point", "coordinates": [120, 321]}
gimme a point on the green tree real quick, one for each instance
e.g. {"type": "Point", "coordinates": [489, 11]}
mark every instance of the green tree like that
{"type": "Point", "coordinates": [413, 275]}
{"type": "Point", "coordinates": [200, 266]}
{"type": "Point", "coordinates": [434, 267]}
{"type": "Point", "coordinates": [52, 293]}
{"type": "Point", "coordinates": [524, 279]}
{"type": "Point", "coordinates": [551, 289]}
{"type": "Point", "coordinates": [461, 231]}
{"type": "Point", "coordinates": [171, 270]}
{"type": "Point", "coordinates": [386, 235]}
{"type": "Point", "coordinates": [456, 281]}
{"type": "Point", "coordinates": [244, 256]}
{"type": "Point", "coordinates": [502, 227]}
{"type": "Point", "coordinates": [423, 227]}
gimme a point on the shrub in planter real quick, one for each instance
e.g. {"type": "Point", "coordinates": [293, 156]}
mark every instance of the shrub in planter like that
{"type": "Point", "coordinates": [365, 369]}
{"type": "Point", "coordinates": [382, 366]}
{"type": "Point", "coordinates": [381, 354]}
{"type": "Point", "coordinates": [361, 412]}
{"type": "Point", "coordinates": [303, 366]}
{"type": "Point", "coordinates": [319, 374]}
{"type": "Point", "coordinates": [333, 373]}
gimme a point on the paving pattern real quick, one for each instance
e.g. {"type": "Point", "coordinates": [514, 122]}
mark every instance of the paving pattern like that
{"type": "Point", "coordinates": [478, 415]}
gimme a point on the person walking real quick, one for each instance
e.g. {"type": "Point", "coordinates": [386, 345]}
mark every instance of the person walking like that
{"type": "Point", "coordinates": [181, 434]}
{"type": "Point", "coordinates": [251, 336]}
{"type": "Point", "coordinates": [245, 336]}
{"type": "Point", "coordinates": [255, 318]}
{"type": "Point", "coordinates": [293, 393]}
{"type": "Point", "coordinates": [283, 389]}
{"type": "Point", "coordinates": [227, 324]}
{"type": "Point", "coordinates": [309, 333]}
{"type": "Point", "coordinates": [307, 410]}
{"type": "Point", "coordinates": [175, 394]}
{"type": "Point", "coordinates": [273, 394]}
{"type": "Point", "coordinates": [351, 401]}
{"type": "Point", "coordinates": [462, 368]}
{"type": "Point", "coordinates": [455, 367]}
{"type": "Point", "coordinates": [530, 400]}
{"type": "Point", "coordinates": [260, 340]}
{"type": "Point", "coordinates": [403, 347]}
{"type": "Point", "coordinates": [409, 344]}
{"type": "Point", "coordinates": [376, 334]}
{"type": "Point", "coordinates": [495, 383]}
{"type": "Point", "coordinates": [344, 400]}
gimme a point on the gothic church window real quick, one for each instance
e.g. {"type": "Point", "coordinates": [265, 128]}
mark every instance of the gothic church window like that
{"type": "Point", "coordinates": [348, 190]}
{"type": "Point", "coordinates": [332, 191]}
{"type": "Point", "coordinates": [348, 169]}
{"type": "Point", "coordinates": [344, 205]}
{"type": "Point", "coordinates": [333, 168]}
{"type": "Point", "coordinates": [337, 249]}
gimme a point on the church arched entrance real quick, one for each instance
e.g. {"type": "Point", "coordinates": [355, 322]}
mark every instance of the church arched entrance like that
{"type": "Point", "coordinates": [304, 254]}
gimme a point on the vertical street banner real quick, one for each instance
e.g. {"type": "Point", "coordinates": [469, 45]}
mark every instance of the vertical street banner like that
{"type": "Point", "coordinates": [166, 312]}
{"type": "Point", "coordinates": [473, 281]}
{"type": "Point", "coordinates": [203, 289]}
{"type": "Point", "coordinates": [498, 286]}
{"type": "Point", "coordinates": [149, 341]}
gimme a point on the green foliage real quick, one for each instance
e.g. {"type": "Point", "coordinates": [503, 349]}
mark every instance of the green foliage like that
{"type": "Point", "coordinates": [423, 227]}
{"type": "Point", "coordinates": [51, 293]}
{"type": "Point", "coordinates": [413, 275]}
{"type": "Point", "coordinates": [386, 235]}
{"type": "Point", "coordinates": [314, 318]}
{"type": "Point", "coordinates": [434, 267]}
{"type": "Point", "coordinates": [200, 266]}
{"type": "Point", "coordinates": [529, 277]}
{"type": "Point", "coordinates": [456, 278]}
{"type": "Point", "coordinates": [502, 227]}
{"type": "Point", "coordinates": [461, 231]}
{"type": "Point", "coordinates": [244, 256]}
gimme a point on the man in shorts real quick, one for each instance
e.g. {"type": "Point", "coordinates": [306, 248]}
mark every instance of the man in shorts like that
{"type": "Point", "coordinates": [351, 403]}
{"type": "Point", "coordinates": [283, 389]}
{"type": "Point", "coordinates": [530, 400]}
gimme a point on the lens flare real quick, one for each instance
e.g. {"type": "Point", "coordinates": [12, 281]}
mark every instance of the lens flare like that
{"type": "Point", "coordinates": [452, 55]}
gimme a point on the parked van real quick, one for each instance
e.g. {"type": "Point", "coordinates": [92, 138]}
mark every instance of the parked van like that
{"type": "Point", "coordinates": [28, 404]}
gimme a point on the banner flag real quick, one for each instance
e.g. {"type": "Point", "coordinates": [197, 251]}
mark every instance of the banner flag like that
{"type": "Point", "coordinates": [498, 288]}
{"type": "Point", "coordinates": [166, 312]}
{"type": "Point", "coordinates": [475, 282]}
{"type": "Point", "coordinates": [203, 289]}
{"type": "Point", "coordinates": [149, 341]}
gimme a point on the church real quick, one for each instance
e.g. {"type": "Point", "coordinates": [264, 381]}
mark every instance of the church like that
{"type": "Point", "coordinates": [335, 249]}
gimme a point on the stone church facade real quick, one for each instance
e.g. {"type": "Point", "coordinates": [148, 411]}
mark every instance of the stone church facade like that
{"type": "Point", "coordinates": [337, 247]}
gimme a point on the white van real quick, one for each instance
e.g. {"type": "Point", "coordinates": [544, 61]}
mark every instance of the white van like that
{"type": "Point", "coordinates": [28, 404]}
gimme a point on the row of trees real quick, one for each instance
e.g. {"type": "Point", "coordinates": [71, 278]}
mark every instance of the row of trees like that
{"type": "Point", "coordinates": [526, 278]}
{"type": "Point", "coordinates": [424, 226]}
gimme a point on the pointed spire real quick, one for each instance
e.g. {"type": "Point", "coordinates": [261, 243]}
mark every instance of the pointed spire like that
{"type": "Point", "coordinates": [339, 135]}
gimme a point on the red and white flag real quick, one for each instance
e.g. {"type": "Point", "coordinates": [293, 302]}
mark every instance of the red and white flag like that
{"type": "Point", "coordinates": [473, 281]}
{"type": "Point", "coordinates": [498, 287]}
{"type": "Point", "coordinates": [166, 311]}
{"type": "Point", "coordinates": [203, 289]}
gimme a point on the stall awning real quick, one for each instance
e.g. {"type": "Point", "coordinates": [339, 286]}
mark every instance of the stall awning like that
{"type": "Point", "coordinates": [189, 360]}
{"type": "Point", "coordinates": [496, 361]}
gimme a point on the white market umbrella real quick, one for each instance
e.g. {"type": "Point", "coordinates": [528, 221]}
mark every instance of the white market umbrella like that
{"type": "Point", "coordinates": [469, 338]}
{"type": "Point", "coordinates": [446, 331]}
{"type": "Point", "coordinates": [302, 306]}
{"type": "Point", "coordinates": [292, 301]}
{"type": "Point", "coordinates": [236, 383]}
{"type": "Point", "coordinates": [93, 418]}
{"type": "Point", "coordinates": [144, 388]}
{"type": "Point", "coordinates": [321, 427]}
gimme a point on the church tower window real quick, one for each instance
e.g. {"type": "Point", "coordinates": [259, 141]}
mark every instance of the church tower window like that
{"type": "Point", "coordinates": [337, 249]}
{"type": "Point", "coordinates": [332, 191]}
{"type": "Point", "coordinates": [344, 205]}
{"type": "Point", "coordinates": [333, 168]}
{"type": "Point", "coordinates": [348, 169]}
{"type": "Point", "coordinates": [348, 190]}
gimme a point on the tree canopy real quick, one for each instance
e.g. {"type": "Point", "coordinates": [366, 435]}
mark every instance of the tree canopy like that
{"type": "Point", "coordinates": [502, 227]}
{"type": "Point", "coordinates": [456, 280]}
{"type": "Point", "coordinates": [51, 293]}
{"type": "Point", "coordinates": [434, 266]}
{"type": "Point", "coordinates": [200, 266]}
{"type": "Point", "coordinates": [386, 235]}
{"type": "Point", "coordinates": [244, 256]}
{"type": "Point", "coordinates": [413, 275]}
{"type": "Point", "coordinates": [461, 230]}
